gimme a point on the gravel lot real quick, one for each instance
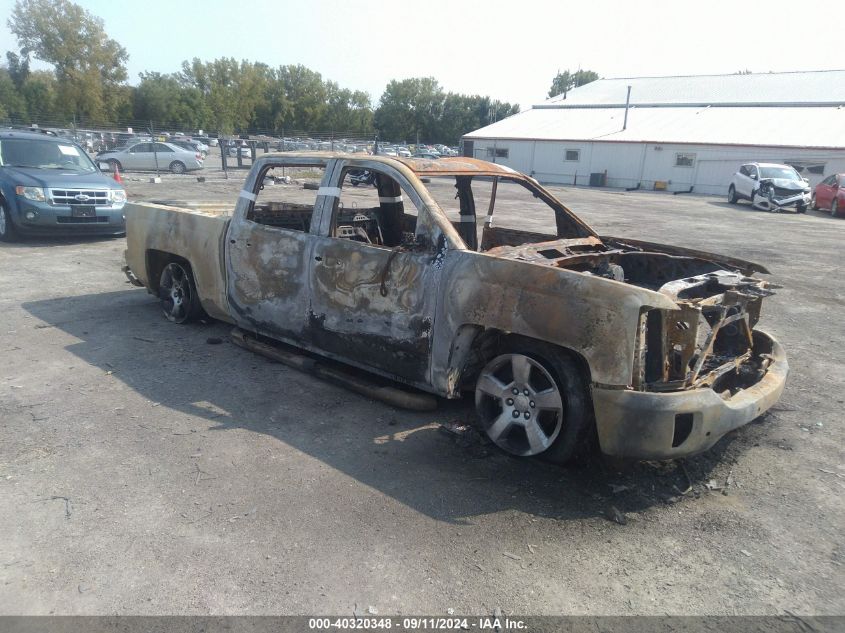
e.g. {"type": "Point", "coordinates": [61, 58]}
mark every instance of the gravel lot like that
{"type": "Point", "coordinates": [145, 471]}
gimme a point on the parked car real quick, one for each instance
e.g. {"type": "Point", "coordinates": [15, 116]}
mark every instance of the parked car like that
{"type": "Point", "coordinates": [829, 195]}
{"type": "Point", "coordinates": [192, 146]}
{"type": "Point", "coordinates": [204, 140]}
{"type": "Point", "coordinates": [49, 185]}
{"type": "Point", "coordinates": [428, 155]}
{"type": "Point", "coordinates": [770, 187]}
{"type": "Point", "coordinates": [244, 151]}
{"type": "Point", "coordinates": [144, 156]}
{"type": "Point", "coordinates": [562, 336]}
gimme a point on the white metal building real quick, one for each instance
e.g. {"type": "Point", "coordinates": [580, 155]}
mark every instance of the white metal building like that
{"type": "Point", "coordinates": [681, 131]}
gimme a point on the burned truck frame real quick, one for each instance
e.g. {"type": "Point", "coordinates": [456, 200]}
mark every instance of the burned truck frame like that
{"type": "Point", "coordinates": [559, 334]}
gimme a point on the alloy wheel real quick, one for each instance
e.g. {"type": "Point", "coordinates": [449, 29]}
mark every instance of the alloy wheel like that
{"type": "Point", "coordinates": [519, 404]}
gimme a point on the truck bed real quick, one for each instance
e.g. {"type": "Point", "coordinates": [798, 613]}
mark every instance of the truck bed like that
{"type": "Point", "coordinates": [193, 231]}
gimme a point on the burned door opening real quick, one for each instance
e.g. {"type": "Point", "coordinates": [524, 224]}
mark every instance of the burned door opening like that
{"type": "Point", "coordinates": [374, 280]}
{"type": "Point", "coordinates": [268, 252]}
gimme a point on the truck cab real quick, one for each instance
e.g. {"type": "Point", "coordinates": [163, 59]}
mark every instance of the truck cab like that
{"type": "Point", "coordinates": [560, 333]}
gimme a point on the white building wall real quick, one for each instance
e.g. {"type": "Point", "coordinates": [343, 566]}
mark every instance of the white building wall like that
{"type": "Point", "coordinates": [630, 163]}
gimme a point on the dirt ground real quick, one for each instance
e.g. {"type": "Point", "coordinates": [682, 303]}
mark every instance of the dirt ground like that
{"type": "Point", "coordinates": [146, 471]}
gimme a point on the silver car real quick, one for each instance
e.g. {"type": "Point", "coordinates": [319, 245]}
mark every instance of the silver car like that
{"type": "Point", "coordinates": [142, 157]}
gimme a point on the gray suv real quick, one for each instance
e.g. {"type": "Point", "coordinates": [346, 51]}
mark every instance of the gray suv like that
{"type": "Point", "coordinates": [49, 185]}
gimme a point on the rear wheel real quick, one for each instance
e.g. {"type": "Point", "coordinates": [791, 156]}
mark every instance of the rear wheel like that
{"type": "Point", "coordinates": [532, 403]}
{"type": "Point", "coordinates": [834, 208]}
{"type": "Point", "coordinates": [177, 167]}
{"type": "Point", "coordinates": [7, 229]}
{"type": "Point", "coordinates": [732, 197]}
{"type": "Point", "coordinates": [178, 293]}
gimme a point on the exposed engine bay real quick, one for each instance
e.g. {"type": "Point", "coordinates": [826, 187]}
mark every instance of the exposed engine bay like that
{"type": "Point", "coordinates": [708, 342]}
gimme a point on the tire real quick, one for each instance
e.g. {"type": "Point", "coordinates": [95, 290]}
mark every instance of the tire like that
{"type": "Point", "coordinates": [177, 293]}
{"type": "Point", "coordinates": [732, 197]}
{"type": "Point", "coordinates": [8, 233]}
{"type": "Point", "coordinates": [813, 204]}
{"type": "Point", "coordinates": [834, 208]}
{"type": "Point", "coordinates": [178, 167]}
{"type": "Point", "coordinates": [115, 163]}
{"type": "Point", "coordinates": [801, 208]}
{"type": "Point", "coordinates": [533, 403]}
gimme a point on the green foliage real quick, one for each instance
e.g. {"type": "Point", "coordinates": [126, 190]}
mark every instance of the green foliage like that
{"type": "Point", "coordinates": [165, 100]}
{"type": "Point", "coordinates": [88, 65]}
{"type": "Point", "coordinates": [88, 82]}
{"type": "Point", "coordinates": [12, 103]}
{"type": "Point", "coordinates": [418, 108]}
{"type": "Point", "coordinates": [564, 82]}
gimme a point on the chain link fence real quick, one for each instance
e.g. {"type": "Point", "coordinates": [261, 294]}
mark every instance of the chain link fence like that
{"type": "Point", "coordinates": [100, 137]}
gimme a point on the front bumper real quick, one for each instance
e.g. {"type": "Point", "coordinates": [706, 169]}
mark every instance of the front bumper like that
{"type": "Point", "coordinates": [767, 203]}
{"type": "Point", "coordinates": [669, 425]}
{"type": "Point", "coordinates": [48, 219]}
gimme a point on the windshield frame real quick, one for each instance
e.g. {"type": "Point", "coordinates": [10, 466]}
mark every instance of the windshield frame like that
{"type": "Point", "coordinates": [80, 168]}
{"type": "Point", "coordinates": [765, 172]}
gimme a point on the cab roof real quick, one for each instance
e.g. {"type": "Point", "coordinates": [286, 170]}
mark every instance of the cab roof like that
{"type": "Point", "coordinates": [451, 166]}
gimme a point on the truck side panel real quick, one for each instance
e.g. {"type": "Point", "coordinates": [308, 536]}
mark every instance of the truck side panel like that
{"type": "Point", "coordinates": [196, 236]}
{"type": "Point", "coordinates": [595, 317]}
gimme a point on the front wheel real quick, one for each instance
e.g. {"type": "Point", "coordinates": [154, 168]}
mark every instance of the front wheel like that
{"type": "Point", "coordinates": [177, 167]}
{"type": "Point", "coordinates": [834, 208]}
{"type": "Point", "coordinates": [801, 208]}
{"type": "Point", "coordinates": [813, 204]}
{"type": "Point", "coordinates": [7, 229]}
{"type": "Point", "coordinates": [732, 197]}
{"type": "Point", "coordinates": [178, 293]}
{"type": "Point", "coordinates": [531, 403]}
{"type": "Point", "coordinates": [115, 165]}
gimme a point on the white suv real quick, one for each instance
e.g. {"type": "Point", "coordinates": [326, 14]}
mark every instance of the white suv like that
{"type": "Point", "coordinates": [770, 186]}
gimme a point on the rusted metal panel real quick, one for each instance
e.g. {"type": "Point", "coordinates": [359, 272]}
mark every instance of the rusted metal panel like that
{"type": "Point", "coordinates": [195, 235]}
{"type": "Point", "coordinates": [267, 267]}
{"type": "Point", "coordinates": [593, 316]}
{"type": "Point", "coordinates": [268, 278]}
{"type": "Point", "coordinates": [642, 424]}
{"type": "Point", "coordinates": [660, 328]}
{"type": "Point", "coordinates": [374, 304]}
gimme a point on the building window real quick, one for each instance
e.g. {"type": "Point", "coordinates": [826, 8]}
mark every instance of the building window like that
{"type": "Point", "coordinates": [684, 160]}
{"type": "Point", "coordinates": [497, 152]}
{"type": "Point", "coordinates": [573, 155]}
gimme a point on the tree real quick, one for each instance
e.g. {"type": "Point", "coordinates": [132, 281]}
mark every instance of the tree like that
{"type": "Point", "coordinates": [306, 97]}
{"type": "Point", "coordinates": [18, 68]}
{"type": "Point", "coordinates": [12, 104]}
{"type": "Point", "coordinates": [163, 99]}
{"type": "Point", "coordinates": [347, 110]}
{"type": "Point", "coordinates": [39, 91]}
{"type": "Point", "coordinates": [89, 66]}
{"type": "Point", "coordinates": [409, 109]}
{"type": "Point", "coordinates": [564, 81]}
{"type": "Point", "coordinates": [418, 108]}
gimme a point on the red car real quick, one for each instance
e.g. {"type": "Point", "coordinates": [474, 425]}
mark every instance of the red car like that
{"type": "Point", "coordinates": [829, 194]}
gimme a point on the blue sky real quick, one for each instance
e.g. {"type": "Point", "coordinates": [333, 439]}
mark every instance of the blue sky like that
{"type": "Point", "coordinates": [509, 50]}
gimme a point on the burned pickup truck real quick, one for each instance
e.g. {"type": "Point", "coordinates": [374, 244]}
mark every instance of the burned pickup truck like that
{"type": "Point", "coordinates": [458, 275]}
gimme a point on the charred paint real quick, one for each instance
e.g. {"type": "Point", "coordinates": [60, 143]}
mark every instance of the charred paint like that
{"type": "Point", "coordinates": [645, 318]}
